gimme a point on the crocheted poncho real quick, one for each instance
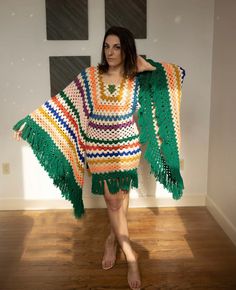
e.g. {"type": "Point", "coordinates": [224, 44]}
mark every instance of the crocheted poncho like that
{"type": "Point", "coordinates": [92, 122]}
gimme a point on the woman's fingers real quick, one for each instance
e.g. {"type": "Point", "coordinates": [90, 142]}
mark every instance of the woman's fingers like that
{"type": "Point", "coordinates": [17, 134]}
{"type": "Point", "coordinates": [143, 65]}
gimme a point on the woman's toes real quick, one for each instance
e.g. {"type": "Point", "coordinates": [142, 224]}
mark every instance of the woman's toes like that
{"type": "Point", "coordinates": [109, 256]}
{"type": "Point", "coordinates": [133, 275]}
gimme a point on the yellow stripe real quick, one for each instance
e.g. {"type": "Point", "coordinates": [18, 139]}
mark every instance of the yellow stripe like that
{"type": "Point", "coordinates": [114, 159]}
{"type": "Point", "coordinates": [176, 121]}
{"type": "Point", "coordinates": [178, 78]}
{"type": "Point", "coordinates": [60, 131]}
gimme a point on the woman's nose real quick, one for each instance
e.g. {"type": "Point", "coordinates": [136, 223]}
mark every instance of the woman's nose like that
{"type": "Point", "coordinates": [110, 51]}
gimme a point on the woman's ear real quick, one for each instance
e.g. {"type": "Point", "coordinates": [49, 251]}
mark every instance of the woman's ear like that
{"type": "Point", "coordinates": [143, 65]}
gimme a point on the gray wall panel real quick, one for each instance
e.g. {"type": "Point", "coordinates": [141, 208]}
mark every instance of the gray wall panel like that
{"type": "Point", "coordinates": [131, 14]}
{"type": "Point", "coordinates": [67, 19]}
{"type": "Point", "coordinates": [64, 69]}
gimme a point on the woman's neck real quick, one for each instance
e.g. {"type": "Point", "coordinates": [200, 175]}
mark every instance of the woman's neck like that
{"type": "Point", "coordinates": [114, 75]}
{"type": "Point", "coordinates": [115, 71]}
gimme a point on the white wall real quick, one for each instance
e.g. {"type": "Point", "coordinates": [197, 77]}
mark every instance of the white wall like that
{"type": "Point", "coordinates": [179, 31]}
{"type": "Point", "coordinates": [221, 198]}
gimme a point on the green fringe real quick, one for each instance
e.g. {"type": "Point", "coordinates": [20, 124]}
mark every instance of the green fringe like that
{"type": "Point", "coordinates": [53, 161]}
{"type": "Point", "coordinates": [115, 181]}
{"type": "Point", "coordinates": [163, 160]}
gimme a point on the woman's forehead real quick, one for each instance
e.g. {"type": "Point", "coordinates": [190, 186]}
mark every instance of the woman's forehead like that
{"type": "Point", "coordinates": [112, 39]}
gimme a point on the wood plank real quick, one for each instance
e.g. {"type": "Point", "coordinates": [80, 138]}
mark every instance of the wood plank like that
{"type": "Point", "coordinates": [179, 248]}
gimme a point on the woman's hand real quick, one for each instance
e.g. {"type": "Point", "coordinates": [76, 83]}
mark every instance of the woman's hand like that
{"type": "Point", "coordinates": [17, 134]}
{"type": "Point", "coordinates": [143, 65]}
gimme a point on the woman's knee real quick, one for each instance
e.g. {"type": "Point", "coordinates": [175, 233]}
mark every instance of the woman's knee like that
{"type": "Point", "coordinates": [114, 202]}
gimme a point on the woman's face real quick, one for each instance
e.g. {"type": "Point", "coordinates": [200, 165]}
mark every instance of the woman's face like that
{"type": "Point", "coordinates": [113, 52]}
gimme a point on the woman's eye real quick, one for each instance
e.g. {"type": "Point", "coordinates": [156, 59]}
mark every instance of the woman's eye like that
{"type": "Point", "coordinates": [114, 47]}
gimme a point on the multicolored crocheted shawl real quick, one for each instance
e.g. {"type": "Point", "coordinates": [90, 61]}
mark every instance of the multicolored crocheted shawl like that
{"type": "Point", "coordinates": [56, 131]}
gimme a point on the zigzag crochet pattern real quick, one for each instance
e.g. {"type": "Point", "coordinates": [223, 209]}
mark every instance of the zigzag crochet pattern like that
{"type": "Point", "coordinates": [92, 122]}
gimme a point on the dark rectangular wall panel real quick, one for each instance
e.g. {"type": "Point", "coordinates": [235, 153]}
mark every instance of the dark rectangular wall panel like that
{"type": "Point", "coordinates": [131, 14]}
{"type": "Point", "coordinates": [67, 19]}
{"type": "Point", "coordinates": [64, 69]}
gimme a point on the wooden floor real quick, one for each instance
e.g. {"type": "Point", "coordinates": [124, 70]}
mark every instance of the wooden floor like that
{"type": "Point", "coordinates": [179, 248]}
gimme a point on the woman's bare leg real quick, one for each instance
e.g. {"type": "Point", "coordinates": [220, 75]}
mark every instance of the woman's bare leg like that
{"type": "Point", "coordinates": [109, 256]}
{"type": "Point", "coordinates": [125, 205]}
{"type": "Point", "coordinates": [117, 206]}
{"type": "Point", "coordinates": [111, 243]}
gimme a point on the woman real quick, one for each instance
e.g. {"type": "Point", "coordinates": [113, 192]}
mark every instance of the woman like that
{"type": "Point", "coordinates": [92, 120]}
{"type": "Point", "coordinates": [119, 61]}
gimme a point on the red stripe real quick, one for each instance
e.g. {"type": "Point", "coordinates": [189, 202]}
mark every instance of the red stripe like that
{"type": "Point", "coordinates": [101, 147]}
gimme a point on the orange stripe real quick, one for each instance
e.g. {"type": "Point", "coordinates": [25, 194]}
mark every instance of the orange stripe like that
{"type": "Point", "coordinates": [113, 167]}
{"type": "Point", "coordinates": [173, 77]}
{"type": "Point", "coordinates": [100, 147]}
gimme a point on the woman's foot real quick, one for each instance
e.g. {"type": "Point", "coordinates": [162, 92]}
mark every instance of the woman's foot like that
{"type": "Point", "coordinates": [134, 279]}
{"type": "Point", "coordinates": [109, 257]}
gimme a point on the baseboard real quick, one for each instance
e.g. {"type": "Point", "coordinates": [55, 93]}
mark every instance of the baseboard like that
{"type": "Point", "coordinates": [98, 202]}
{"type": "Point", "coordinates": [221, 219]}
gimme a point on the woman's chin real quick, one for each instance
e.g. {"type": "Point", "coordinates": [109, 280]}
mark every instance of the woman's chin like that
{"type": "Point", "coordinates": [114, 64]}
{"type": "Point", "coordinates": [111, 62]}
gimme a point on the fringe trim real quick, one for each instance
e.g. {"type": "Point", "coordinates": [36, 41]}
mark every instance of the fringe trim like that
{"type": "Point", "coordinates": [53, 161]}
{"type": "Point", "coordinates": [164, 159]}
{"type": "Point", "coordinates": [115, 181]}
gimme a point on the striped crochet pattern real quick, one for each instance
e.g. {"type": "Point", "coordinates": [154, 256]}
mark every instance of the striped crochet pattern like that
{"type": "Point", "coordinates": [92, 122]}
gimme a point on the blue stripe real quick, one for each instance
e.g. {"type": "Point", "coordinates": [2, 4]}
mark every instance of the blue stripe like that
{"type": "Point", "coordinates": [117, 153]}
{"type": "Point", "coordinates": [58, 118]}
{"type": "Point", "coordinates": [87, 95]}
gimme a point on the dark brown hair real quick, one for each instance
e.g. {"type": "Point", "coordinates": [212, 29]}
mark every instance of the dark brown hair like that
{"type": "Point", "coordinates": [128, 49]}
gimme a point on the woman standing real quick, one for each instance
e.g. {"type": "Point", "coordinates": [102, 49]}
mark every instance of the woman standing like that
{"type": "Point", "coordinates": [92, 120]}
{"type": "Point", "coordinates": [118, 74]}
